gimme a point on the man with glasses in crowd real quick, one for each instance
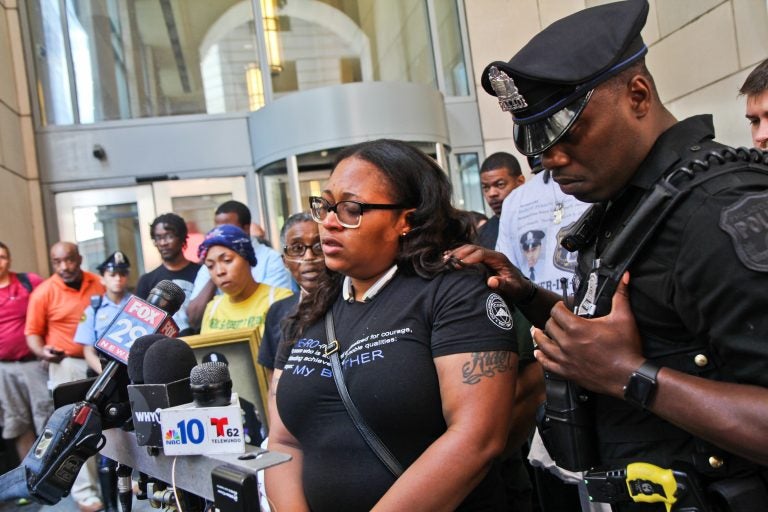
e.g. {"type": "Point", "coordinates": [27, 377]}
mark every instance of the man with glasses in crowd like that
{"type": "Point", "coordinates": [169, 234]}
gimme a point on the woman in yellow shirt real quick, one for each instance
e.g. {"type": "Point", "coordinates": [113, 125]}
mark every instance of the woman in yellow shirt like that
{"type": "Point", "coordinates": [228, 254]}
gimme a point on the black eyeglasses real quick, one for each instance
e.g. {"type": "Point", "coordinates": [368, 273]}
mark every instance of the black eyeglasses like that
{"type": "Point", "coordinates": [298, 250]}
{"type": "Point", "coordinates": [167, 237]}
{"type": "Point", "coordinates": [349, 213]}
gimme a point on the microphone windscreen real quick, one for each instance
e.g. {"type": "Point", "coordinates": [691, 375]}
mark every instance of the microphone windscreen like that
{"type": "Point", "coordinates": [167, 361]}
{"type": "Point", "coordinates": [211, 373]}
{"type": "Point", "coordinates": [167, 295]}
{"type": "Point", "coordinates": [136, 356]}
{"type": "Point", "coordinates": [210, 384]}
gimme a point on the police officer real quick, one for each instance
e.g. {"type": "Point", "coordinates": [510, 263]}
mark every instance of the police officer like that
{"type": "Point", "coordinates": [670, 366]}
{"type": "Point", "coordinates": [103, 308]}
{"type": "Point", "coordinates": [95, 320]}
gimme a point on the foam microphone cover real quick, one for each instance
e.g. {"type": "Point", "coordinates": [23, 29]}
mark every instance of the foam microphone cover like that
{"type": "Point", "coordinates": [211, 385]}
{"type": "Point", "coordinates": [136, 356]}
{"type": "Point", "coordinates": [168, 360]}
{"type": "Point", "coordinates": [167, 296]}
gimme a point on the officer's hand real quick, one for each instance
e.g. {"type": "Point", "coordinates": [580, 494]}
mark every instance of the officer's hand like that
{"type": "Point", "coordinates": [599, 354]}
{"type": "Point", "coordinates": [51, 355]}
{"type": "Point", "coordinates": [508, 280]}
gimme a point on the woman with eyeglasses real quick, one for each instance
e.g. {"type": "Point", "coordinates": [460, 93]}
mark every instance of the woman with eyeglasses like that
{"type": "Point", "coordinates": [427, 353]}
{"type": "Point", "coordinates": [228, 254]}
{"type": "Point", "coordinates": [303, 257]}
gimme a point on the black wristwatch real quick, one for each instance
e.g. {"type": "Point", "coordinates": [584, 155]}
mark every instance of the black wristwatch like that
{"type": "Point", "coordinates": [641, 385]}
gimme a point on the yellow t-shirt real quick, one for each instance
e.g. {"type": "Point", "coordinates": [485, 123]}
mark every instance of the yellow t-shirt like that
{"type": "Point", "coordinates": [221, 314]}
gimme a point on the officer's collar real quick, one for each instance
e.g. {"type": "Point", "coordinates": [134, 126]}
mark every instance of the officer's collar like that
{"type": "Point", "coordinates": [348, 291]}
{"type": "Point", "coordinates": [667, 151]}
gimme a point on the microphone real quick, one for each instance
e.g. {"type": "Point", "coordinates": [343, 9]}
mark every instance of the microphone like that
{"type": "Point", "coordinates": [168, 361]}
{"type": "Point", "coordinates": [164, 382]}
{"type": "Point", "coordinates": [136, 356]}
{"type": "Point", "coordinates": [210, 384]}
{"type": "Point", "coordinates": [136, 319]}
{"type": "Point", "coordinates": [74, 431]}
{"type": "Point", "coordinates": [213, 423]}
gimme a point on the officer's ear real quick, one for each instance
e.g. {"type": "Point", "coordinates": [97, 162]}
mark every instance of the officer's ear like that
{"type": "Point", "coordinates": [640, 92]}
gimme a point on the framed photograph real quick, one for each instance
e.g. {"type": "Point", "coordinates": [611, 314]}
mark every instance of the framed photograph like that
{"type": "Point", "coordinates": [241, 348]}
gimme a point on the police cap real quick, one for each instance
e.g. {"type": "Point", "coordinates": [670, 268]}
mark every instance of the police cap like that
{"type": "Point", "coordinates": [548, 83]}
{"type": "Point", "coordinates": [116, 262]}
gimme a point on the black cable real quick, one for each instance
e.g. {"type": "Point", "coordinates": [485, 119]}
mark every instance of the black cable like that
{"type": "Point", "coordinates": [125, 487]}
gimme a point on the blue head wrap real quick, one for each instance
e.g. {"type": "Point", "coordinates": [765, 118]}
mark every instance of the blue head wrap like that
{"type": "Point", "coordinates": [231, 237]}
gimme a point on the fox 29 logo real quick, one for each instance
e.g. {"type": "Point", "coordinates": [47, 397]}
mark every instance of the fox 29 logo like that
{"type": "Point", "coordinates": [193, 431]}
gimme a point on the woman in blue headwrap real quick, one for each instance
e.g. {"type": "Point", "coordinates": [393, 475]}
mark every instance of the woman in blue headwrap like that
{"type": "Point", "coordinates": [228, 254]}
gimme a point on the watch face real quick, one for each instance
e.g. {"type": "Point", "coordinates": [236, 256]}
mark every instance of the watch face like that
{"type": "Point", "coordinates": [641, 385]}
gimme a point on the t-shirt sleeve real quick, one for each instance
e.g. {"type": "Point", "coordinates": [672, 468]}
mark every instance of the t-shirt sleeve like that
{"type": "Point", "coordinates": [36, 322]}
{"type": "Point", "coordinates": [142, 287]}
{"type": "Point", "coordinates": [201, 279]}
{"type": "Point", "coordinates": [206, 321]}
{"type": "Point", "coordinates": [730, 311]}
{"type": "Point", "coordinates": [34, 279]}
{"type": "Point", "coordinates": [86, 332]}
{"type": "Point", "coordinates": [283, 352]}
{"type": "Point", "coordinates": [276, 273]}
{"type": "Point", "coordinates": [271, 338]}
{"type": "Point", "coordinates": [469, 317]}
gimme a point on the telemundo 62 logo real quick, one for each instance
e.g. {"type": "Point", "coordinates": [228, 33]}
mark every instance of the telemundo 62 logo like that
{"type": "Point", "coordinates": [193, 432]}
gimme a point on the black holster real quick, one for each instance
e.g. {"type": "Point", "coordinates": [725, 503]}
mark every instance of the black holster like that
{"type": "Point", "coordinates": [566, 424]}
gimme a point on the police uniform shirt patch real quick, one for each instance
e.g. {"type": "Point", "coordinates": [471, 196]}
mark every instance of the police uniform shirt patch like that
{"type": "Point", "coordinates": [498, 311]}
{"type": "Point", "coordinates": [747, 223]}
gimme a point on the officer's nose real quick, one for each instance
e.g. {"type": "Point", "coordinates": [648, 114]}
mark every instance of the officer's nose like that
{"type": "Point", "coordinates": [554, 157]}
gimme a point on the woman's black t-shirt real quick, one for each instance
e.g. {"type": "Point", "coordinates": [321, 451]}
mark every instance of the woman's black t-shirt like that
{"type": "Point", "coordinates": [387, 350]}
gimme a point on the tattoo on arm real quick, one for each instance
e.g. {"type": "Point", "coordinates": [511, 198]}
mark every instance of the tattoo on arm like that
{"type": "Point", "coordinates": [486, 364]}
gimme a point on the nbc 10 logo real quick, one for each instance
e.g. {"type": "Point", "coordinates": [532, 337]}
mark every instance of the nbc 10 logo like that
{"type": "Point", "coordinates": [193, 431]}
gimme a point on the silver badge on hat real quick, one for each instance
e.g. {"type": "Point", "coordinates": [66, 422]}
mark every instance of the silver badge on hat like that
{"type": "Point", "coordinates": [510, 100]}
{"type": "Point", "coordinates": [119, 258]}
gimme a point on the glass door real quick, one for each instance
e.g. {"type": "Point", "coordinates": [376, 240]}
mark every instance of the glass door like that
{"type": "Point", "coordinates": [104, 220]}
{"type": "Point", "coordinates": [277, 194]}
{"type": "Point", "coordinates": [196, 201]}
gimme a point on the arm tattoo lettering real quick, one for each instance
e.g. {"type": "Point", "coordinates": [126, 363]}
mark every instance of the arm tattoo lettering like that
{"type": "Point", "coordinates": [486, 364]}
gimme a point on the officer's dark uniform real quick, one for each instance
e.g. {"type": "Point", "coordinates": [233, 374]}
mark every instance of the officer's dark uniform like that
{"type": "Point", "coordinates": [699, 287]}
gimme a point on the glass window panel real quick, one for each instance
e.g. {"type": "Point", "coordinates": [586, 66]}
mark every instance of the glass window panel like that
{"type": "Point", "coordinates": [316, 43]}
{"type": "Point", "coordinates": [50, 57]}
{"type": "Point", "coordinates": [102, 230]}
{"type": "Point", "coordinates": [469, 170]}
{"type": "Point", "coordinates": [141, 58]}
{"type": "Point", "coordinates": [451, 48]}
{"type": "Point", "coordinates": [122, 59]}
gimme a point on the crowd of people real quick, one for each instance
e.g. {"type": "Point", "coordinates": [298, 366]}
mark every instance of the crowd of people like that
{"type": "Point", "coordinates": [604, 329]}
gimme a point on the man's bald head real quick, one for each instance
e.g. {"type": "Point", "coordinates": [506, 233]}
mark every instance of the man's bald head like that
{"type": "Point", "coordinates": [66, 260]}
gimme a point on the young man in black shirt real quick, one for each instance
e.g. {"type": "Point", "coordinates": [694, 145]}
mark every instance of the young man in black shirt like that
{"type": "Point", "coordinates": [169, 234]}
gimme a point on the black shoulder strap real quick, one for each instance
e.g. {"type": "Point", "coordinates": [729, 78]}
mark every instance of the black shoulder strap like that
{"type": "Point", "coordinates": [372, 440]}
{"type": "Point", "coordinates": [24, 280]}
{"type": "Point", "coordinates": [662, 199]}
